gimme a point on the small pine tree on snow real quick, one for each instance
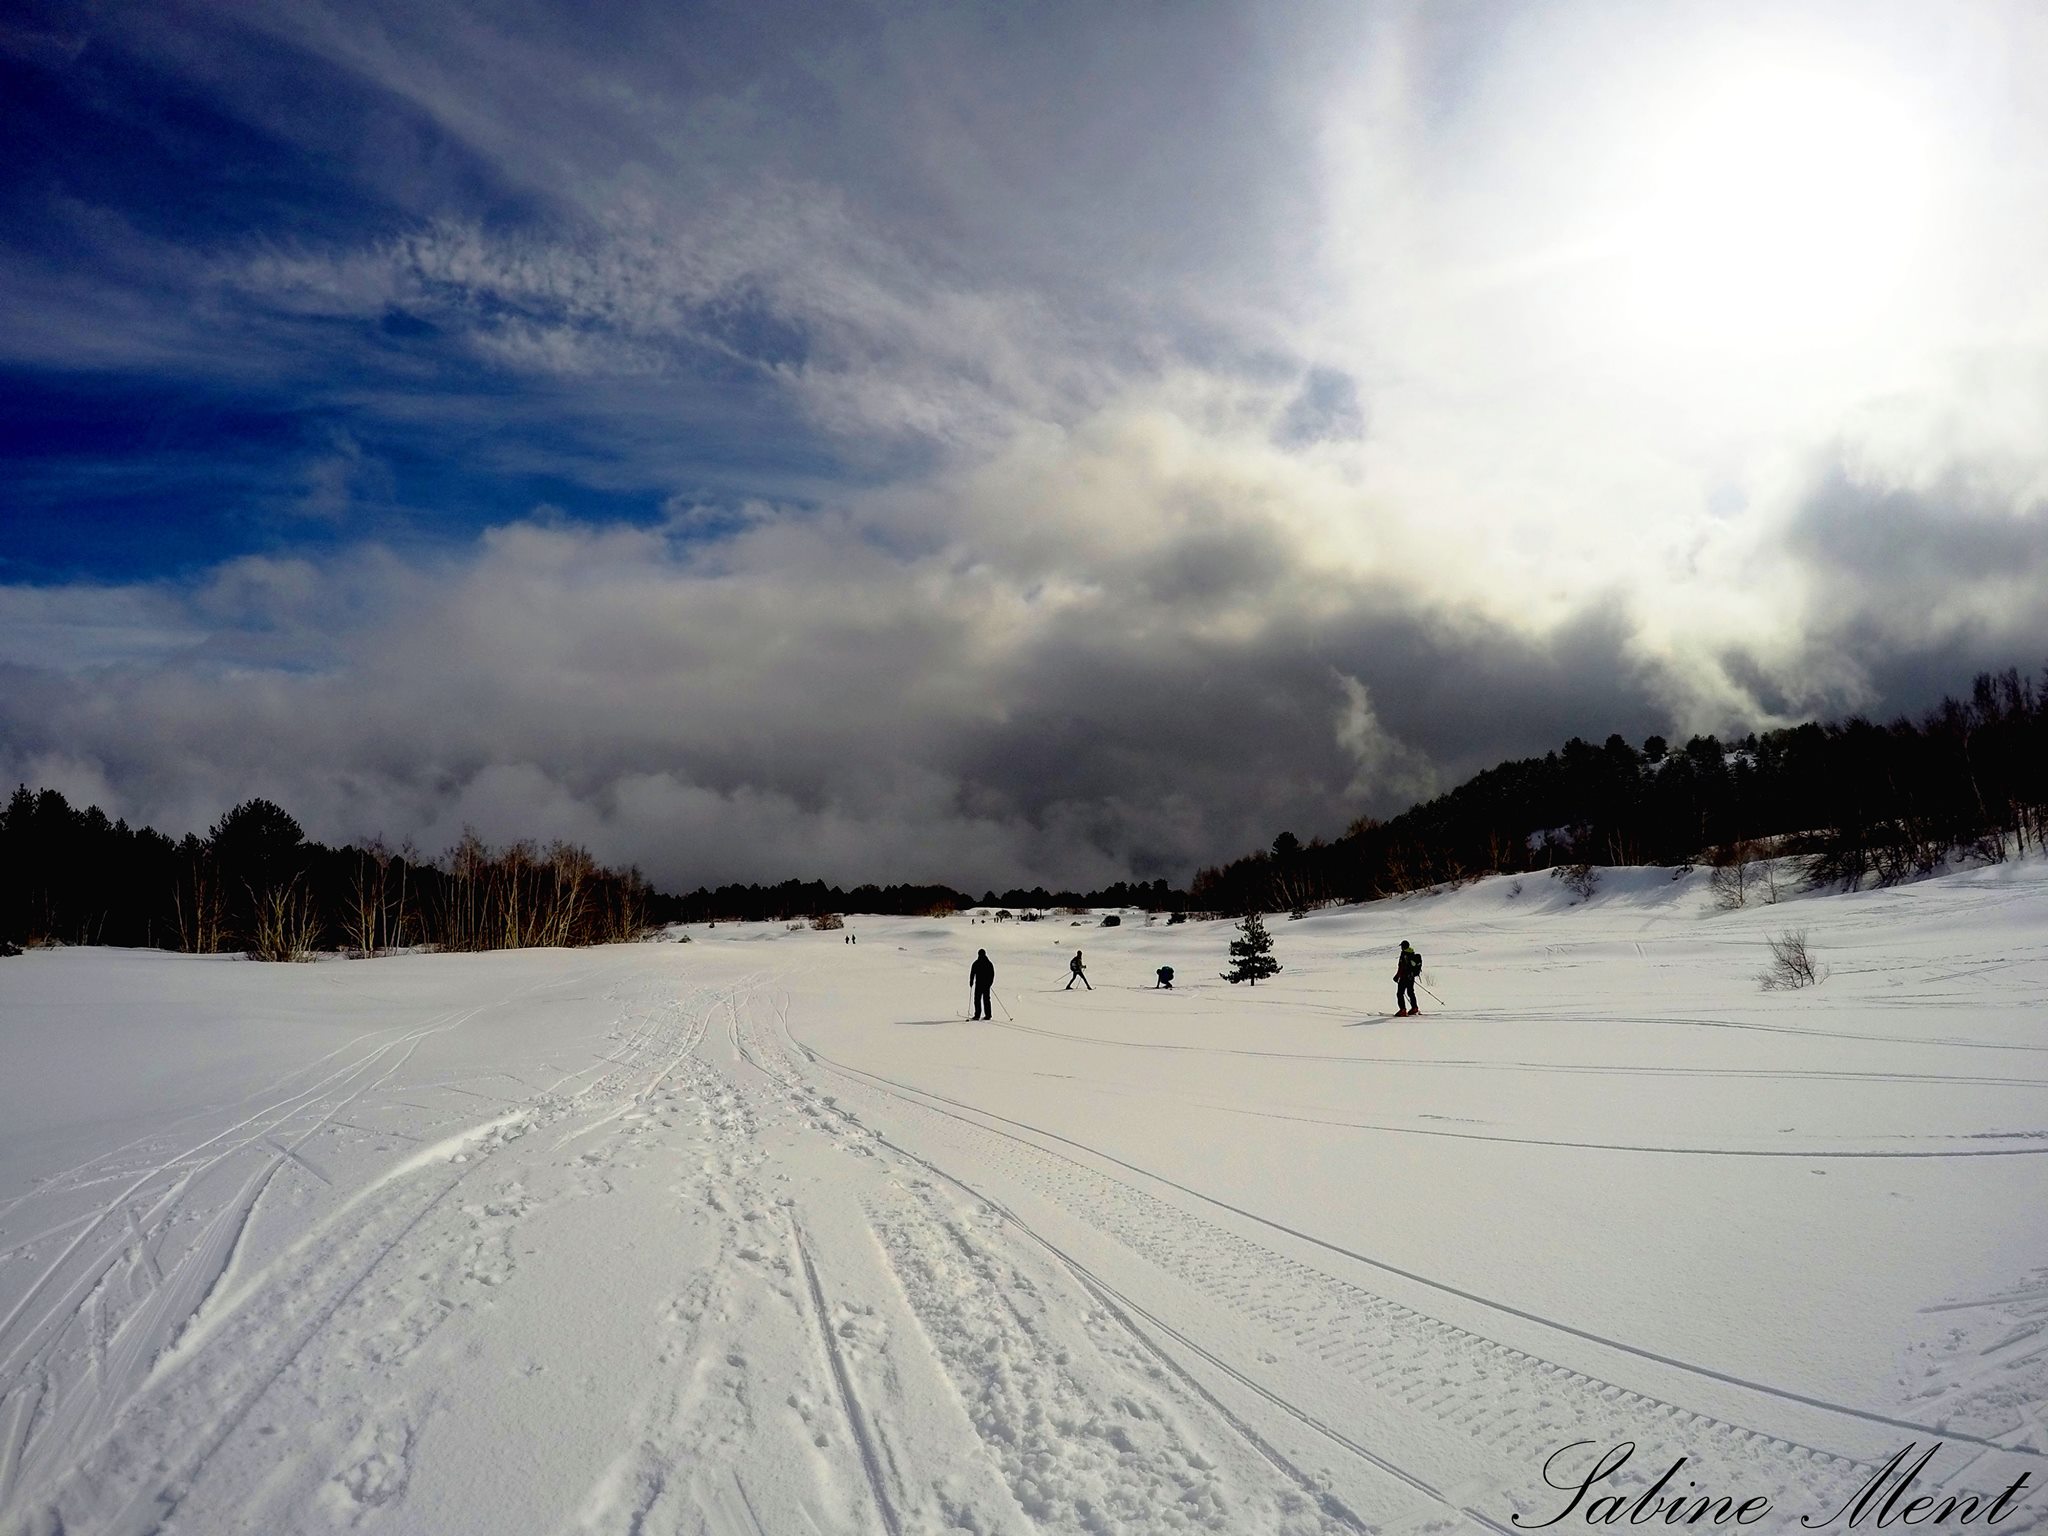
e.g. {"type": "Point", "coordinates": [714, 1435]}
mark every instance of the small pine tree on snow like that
{"type": "Point", "coordinates": [1252, 955]}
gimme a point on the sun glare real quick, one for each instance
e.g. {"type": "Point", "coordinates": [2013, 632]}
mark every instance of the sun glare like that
{"type": "Point", "coordinates": [1781, 208]}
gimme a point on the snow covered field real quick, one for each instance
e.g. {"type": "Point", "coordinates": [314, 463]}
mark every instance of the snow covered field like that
{"type": "Point", "coordinates": [756, 1235]}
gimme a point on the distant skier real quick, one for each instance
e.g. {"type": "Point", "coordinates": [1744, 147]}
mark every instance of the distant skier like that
{"type": "Point", "coordinates": [1165, 978]}
{"type": "Point", "coordinates": [1406, 969]}
{"type": "Point", "coordinates": [981, 976]}
{"type": "Point", "coordinates": [1080, 974]}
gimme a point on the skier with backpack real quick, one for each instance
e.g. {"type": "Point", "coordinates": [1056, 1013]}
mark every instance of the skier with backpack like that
{"type": "Point", "coordinates": [1165, 979]}
{"type": "Point", "coordinates": [1080, 974]}
{"type": "Point", "coordinates": [1407, 968]}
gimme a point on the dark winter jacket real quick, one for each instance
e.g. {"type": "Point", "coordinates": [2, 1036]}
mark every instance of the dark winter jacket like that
{"type": "Point", "coordinates": [1409, 966]}
{"type": "Point", "coordinates": [982, 973]}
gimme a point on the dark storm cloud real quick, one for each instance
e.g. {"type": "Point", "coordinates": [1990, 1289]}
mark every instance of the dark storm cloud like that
{"type": "Point", "coordinates": [1917, 590]}
{"type": "Point", "coordinates": [1254, 730]}
{"type": "Point", "coordinates": [1910, 592]}
{"type": "Point", "coordinates": [1882, 543]}
{"type": "Point", "coordinates": [1471, 690]}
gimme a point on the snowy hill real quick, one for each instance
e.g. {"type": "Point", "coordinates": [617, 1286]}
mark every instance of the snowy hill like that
{"type": "Point", "coordinates": [755, 1234]}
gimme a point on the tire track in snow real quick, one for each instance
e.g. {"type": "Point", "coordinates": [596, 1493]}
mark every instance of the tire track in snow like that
{"type": "Point", "coordinates": [1649, 1148]}
{"type": "Point", "coordinates": [1802, 1031]}
{"type": "Point", "coordinates": [920, 1263]}
{"type": "Point", "coordinates": [1486, 1406]}
{"type": "Point", "coordinates": [913, 1094]}
{"type": "Point", "coordinates": [1587, 1069]}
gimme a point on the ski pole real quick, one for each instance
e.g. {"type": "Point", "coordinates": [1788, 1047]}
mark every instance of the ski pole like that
{"type": "Point", "coordinates": [1004, 1006]}
{"type": "Point", "coordinates": [1434, 998]}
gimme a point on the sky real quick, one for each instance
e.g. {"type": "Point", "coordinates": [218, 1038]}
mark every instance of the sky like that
{"type": "Point", "coordinates": [993, 443]}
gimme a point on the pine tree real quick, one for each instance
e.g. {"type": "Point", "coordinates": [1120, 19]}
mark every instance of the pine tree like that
{"type": "Point", "coordinates": [1251, 956]}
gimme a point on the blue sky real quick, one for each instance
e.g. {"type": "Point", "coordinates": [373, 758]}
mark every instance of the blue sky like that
{"type": "Point", "coordinates": [160, 418]}
{"type": "Point", "coordinates": [993, 443]}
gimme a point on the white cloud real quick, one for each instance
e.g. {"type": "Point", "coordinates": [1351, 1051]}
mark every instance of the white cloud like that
{"type": "Point", "coordinates": [1386, 767]}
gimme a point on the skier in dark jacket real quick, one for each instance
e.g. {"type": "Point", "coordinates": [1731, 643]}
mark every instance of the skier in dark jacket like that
{"type": "Point", "coordinates": [1080, 974]}
{"type": "Point", "coordinates": [1406, 969]}
{"type": "Point", "coordinates": [1165, 979]}
{"type": "Point", "coordinates": [981, 976]}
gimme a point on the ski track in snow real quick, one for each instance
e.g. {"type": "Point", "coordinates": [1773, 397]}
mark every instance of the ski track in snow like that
{"type": "Point", "coordinates": [873, 1307]}
{"type": "Point", "coordinates": [1588, 1069]}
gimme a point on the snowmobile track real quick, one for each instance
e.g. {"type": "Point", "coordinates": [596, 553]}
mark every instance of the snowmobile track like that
{"type": "Point", "coordinates": [1455, 1377]}
{"type": "Point", "coordinates": [1141, 1326]}
{"type": "Point", "coordinates": [1336, 1340]}
{"type": "Point", "coordinates": [1586, 1069]}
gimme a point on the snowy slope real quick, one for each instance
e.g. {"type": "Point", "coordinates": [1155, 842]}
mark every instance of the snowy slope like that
{"type": "Point", "coordinates": [755, 1234]}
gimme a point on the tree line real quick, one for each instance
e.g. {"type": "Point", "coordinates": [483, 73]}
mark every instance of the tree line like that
{"type": "Point", "coordinates": [804, 899]}
{"type": "Point", "coordinates": [257, 885]}
{"type": "Point", "coordinates": [1856, 801]}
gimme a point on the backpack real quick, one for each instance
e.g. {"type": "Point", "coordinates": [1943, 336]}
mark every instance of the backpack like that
{"type": "Point", "coordinates": [1166, 973]}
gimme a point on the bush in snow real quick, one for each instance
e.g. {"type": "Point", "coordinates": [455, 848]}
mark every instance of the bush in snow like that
{"type": "Point", "coordinates": [1734, 873]}
{"type": "Point", "coordinates": [1743, 872]}
{"type": "Point", "coordinates": [825, 922]}
{"type": "Point", "coordinates": [1582, 880]}
{"type": "Point", "coordinates": [285, 926]}
{"type": "Point", "coordinates": [1792, 964]}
